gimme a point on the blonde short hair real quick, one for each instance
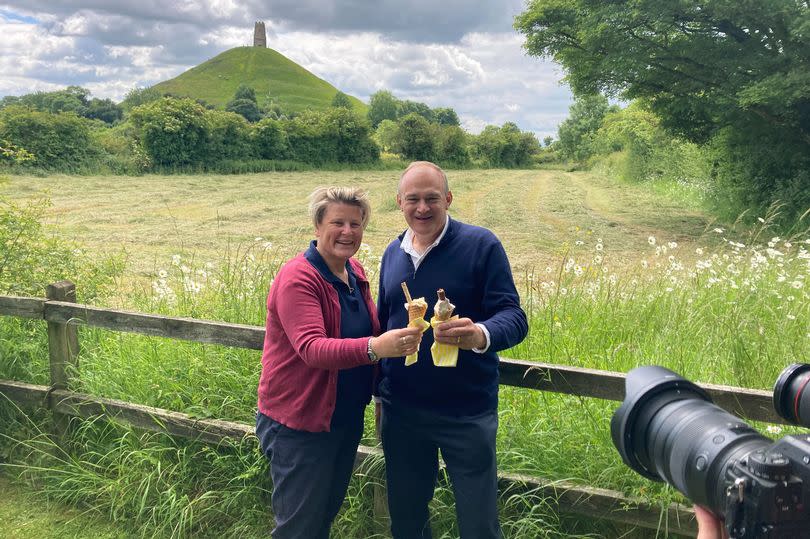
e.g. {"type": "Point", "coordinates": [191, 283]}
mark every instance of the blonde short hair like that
{"type": "Point", "coordinates": [322, 197]}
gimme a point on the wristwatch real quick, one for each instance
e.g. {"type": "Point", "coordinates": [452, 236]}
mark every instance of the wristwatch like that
{"type": "Point", "coordinates": [374, 358]}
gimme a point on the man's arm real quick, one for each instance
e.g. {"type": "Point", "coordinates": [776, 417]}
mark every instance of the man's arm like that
{"type": "Point", "coordinates": [503, 317]}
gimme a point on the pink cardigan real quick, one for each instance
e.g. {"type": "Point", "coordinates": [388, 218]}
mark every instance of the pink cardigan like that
{"type": "Point", "coordinates": [302, 346]}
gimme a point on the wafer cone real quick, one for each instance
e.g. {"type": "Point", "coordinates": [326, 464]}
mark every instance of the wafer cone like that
{"type": "Point", "coordinates": [416, 319]}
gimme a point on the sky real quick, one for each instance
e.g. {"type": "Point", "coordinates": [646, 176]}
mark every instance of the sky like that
{"type": "Point", "coordinates": [446, 53]}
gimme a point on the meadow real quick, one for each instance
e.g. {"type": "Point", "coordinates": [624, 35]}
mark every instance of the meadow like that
{"type": "Point", "coordinates": [612, 275]}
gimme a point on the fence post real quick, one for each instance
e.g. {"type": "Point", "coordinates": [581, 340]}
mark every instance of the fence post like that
{"type": "Point", "coordinates": [63, 348]}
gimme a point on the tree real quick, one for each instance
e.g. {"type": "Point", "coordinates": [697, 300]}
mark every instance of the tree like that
{"type": "Point", "coordinates": [227, 136]}
{"type": "Point", "coordinates": [452, 146]}
{"type": "Point", "coordinates": [386, 135]}
{"type": "Point", "coordinates": [104, 110]}
{"type": "Point", "coordinates": [407, 107]}
{"type": "Point", "coordinates": [244, 103]}
{"type": "Point", "coordinates": [446, 116]}
{"type": "Point", "coordinates": [415, 138]}
{"type": "Point", "coordinates": [341, 100]}
{"type": "Point", "coordinates": [57, 141]}
{"type": "Point", "coordinates": [270, 139]}
{"type": "Point", "coordinates": [382, 106]}
{"type": "Point", "coordinates": [173, 132]}
{"type": "Point", "coordinates": [139, 96]}
{"type": "Point", "coordinates": [733, 73]}
{"type": "Point", "coordinates": [577, 134]}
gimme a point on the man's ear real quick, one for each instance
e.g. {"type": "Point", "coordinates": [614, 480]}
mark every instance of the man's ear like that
{"type": "Point", "coordinates": [399, 201]}
{"type": "Point", "coordinates": [449, 198]}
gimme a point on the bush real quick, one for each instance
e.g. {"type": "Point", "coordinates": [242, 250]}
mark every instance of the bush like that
{"type": "Point", "coordinates": [58, 141]}
{"type": "Point", "coordinates": [228, 136]}
{"type": "Point", "coordinates": [270, 139]}
{"type": "Point", "coordinates": [416, 138]}
{"type": "Point", "coordinates": [173, 132]}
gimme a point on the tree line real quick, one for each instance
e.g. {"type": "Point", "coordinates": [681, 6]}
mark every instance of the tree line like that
{"type": "Point", "coordinates": [69, 131]}
{"type": "Point", "coordinates": [731, 79]}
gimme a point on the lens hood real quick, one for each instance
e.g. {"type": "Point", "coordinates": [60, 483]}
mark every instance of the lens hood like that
{"type": "Point", "coordinates": [791, 394]}
{"type": "Point", "coordinates": [642, 385]}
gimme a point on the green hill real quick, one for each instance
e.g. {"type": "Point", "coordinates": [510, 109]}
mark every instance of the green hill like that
{"type": "Point", "coordinates": [275, 78]}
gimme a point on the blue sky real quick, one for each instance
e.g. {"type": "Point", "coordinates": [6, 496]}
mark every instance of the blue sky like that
{"type": "Point", "coordinates": [446, 54]}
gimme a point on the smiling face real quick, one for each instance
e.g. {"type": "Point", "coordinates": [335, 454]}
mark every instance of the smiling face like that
{"type": "Point", "coordinates": [424, 202]}
{"type": "Point", "coordinates": [339, 234]}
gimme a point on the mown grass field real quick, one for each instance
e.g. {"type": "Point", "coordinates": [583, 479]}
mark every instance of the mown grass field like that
{"type": "Point", "coordinates": [612, 276]}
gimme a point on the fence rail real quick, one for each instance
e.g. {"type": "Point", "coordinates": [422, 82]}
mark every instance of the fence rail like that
{"type": "Point", "coordinates": [64, 316]}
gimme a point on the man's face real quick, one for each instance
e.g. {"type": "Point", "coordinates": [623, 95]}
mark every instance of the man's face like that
{"type": "Point", "coordinates": [422, 199]}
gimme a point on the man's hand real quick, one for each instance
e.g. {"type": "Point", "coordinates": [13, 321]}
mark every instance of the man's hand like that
{"type": "Point", "coordinates": [709, 526]}
{"type": "Point", "coordinates": [462, 333]}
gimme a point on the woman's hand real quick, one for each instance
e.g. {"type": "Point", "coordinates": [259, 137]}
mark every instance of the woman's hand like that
{"type": "Point", "coordinates": [397, 342]}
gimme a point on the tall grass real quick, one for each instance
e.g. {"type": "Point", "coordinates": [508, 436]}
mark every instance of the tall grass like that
{"type": "Point", "coordinates": [734, 311]}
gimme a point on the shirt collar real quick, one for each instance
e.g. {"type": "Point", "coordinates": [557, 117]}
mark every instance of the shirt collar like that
{"type": "Point", "coordinates": [407, 240]}
{"type": "Point", "coordinates": [314, 257]}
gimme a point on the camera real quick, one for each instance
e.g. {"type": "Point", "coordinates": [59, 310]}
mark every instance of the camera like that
{"type": "Point", "coordinates": [668, 429]}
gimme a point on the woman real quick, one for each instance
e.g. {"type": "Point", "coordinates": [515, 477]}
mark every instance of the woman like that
{"type": "Point", "coordinates": [318, 366]}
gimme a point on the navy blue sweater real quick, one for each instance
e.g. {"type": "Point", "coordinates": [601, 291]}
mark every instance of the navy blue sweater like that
{"type": "Point", "coordinates": [471, 265]}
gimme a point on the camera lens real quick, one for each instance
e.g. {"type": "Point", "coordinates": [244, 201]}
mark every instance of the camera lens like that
{"type": "Point", "coordinates": [668, 429]}
{"type": "Point", "coordinates": [791, 394]}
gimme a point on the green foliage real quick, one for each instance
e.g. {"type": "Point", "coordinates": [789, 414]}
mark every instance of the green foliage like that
{"type": "Point", "coordinates": [452, 146]}
{"type": "Point", "coordinates": [140, 96]}
{"type": "Point", "coordinates": [385, 135]}
{"type": "Point", "coordinates": [104, 110]}
{"type": "Point", "coordinates": [577, 134]}
{"type": "Point", "coordinates": [734, 75]}
{"type": "Point", "coordinates": [244, 103]}
{"type": "Point", "coordinates": [335, 136]}
{"type": "Point", "coordinates": [173, 132]}
{"type": "Point", "coordinates": [505, 146]}
{"type": "Point", "coordinates": [382, 106]}
{"type": "Point", "coordinates": [341, 100]}
{"type": "Point", "coordinates": [415, 107]}
{"type": "Point", "coordinates": [11, 153]}
{"type": "Point", "coordinates": [58, 141]}
{"type": "Point", "coordinates": [71, 99]}
{"type": "Point", "coordinates": [270, 139]}
{"type": "Point", "coordinates": [446, 116]}
{"type": "Point", "coordinates": [228, 136]}
{"type": "Point", "coordinates": [416, 138]}
{"type": "Point", "coordinates": [246, 108]}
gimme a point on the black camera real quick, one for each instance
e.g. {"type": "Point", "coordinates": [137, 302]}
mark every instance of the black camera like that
{"type": "Point", "coordinates": [667, 429]}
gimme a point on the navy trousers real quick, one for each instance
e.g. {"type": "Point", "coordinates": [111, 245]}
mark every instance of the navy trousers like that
{"type": "Point", "coordinates": [310, 472]}
{"type": "Point", "coordinates": [411, 441]}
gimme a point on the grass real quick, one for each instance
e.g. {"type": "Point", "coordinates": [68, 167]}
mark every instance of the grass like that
{"type": "Point", "coordinates": [612, 275]}
{"type": "Point", "coordinates": [276, 79]}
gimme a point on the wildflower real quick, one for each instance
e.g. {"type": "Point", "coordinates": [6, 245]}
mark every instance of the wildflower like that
{"type": "Point", "coordinates": [796, 284]}
{"type": "Point", "coordinates": [579, 242]}
{"type": "Point", "coordinates": [645, 264]}
{"type": "Point", "coordinates": [597, 259]}
{"type": "Point", "coordinates": [672, 245]}
{"type": "Point", "coordinates": [760, 219]}
{"type": "Point", "coordinates": [719, 230]}
{"type": "Point", "coordinates": [599, 247]}
{"type": "Point", "coordinates": [175, 260]}
{"type": "Point", "coordinates": [699, 251]}
{"type": "Point", "coordinates": [651, 240]}
{"type": "Point", "coordinates": [163, 273]}
{"type": "Point", "coordinates": [773, 429]}
{"type": "Point", "coordinates": [563, 291]}
{"type": "Point", "coordinates": [791, 317]}
{"type": "Point", "coordinates": [548, 269]}
{"type": "Point", "coordinates": [268, 245]}
{"type": "Point", "coordinates": [578, 271]}
{"type": "Point", "coordinates": [258, 239]}
{"type": "Point", "coordinates": [773, 253]}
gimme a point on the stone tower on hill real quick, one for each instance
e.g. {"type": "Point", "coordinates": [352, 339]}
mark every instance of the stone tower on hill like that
{"type": "Point", "coordinates": [259, 35]}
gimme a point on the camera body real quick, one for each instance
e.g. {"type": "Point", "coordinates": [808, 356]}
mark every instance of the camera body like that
{"type": "Point", "coordinates": [766, 491]}
{"type": "Point", "coordinates": [667, 429]}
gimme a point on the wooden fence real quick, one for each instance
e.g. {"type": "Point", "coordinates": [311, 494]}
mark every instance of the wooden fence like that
{"type": "Point", "coordinates": [63, 316]}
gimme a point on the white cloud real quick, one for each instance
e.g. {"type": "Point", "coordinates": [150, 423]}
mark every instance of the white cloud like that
{"type": "Point", "coordinates": [441, 53]}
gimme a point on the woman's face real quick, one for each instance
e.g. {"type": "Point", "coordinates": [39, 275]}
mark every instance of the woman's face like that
{"type": "Point", "coordinates": [339, 233]}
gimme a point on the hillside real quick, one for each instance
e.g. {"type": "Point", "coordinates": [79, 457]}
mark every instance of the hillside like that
{"type": "Point", "coordinates": [275, 78]}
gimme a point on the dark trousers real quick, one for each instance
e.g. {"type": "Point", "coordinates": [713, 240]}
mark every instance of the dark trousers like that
{"type": "Point", "coordinates": [310, 472]}
{"type": "Point", "coordinates": [411, 441]}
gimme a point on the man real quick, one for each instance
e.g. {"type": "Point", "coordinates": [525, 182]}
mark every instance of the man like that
{"type": "Point", "coordinates": [426, 408]}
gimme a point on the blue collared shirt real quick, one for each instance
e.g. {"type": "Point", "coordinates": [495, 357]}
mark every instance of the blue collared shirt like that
{"type": "Point", "coordinates": [354, 385]}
